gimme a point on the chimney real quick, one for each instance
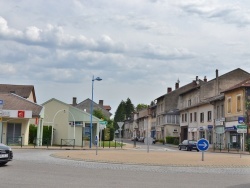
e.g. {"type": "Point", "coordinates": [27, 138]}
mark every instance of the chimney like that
{"type": "Point", "coordinates": [217, 82]}
{"type": "Point", "coordinates": [169, 89]}
{"type": "Point", "coordinates": [205, 79]}
{"type": "Point", "coordinates": [101, 103]}
{"type": "Point", "coordinates": [74, 103]}
{"type": "Point", "coordinates": [177, 84]}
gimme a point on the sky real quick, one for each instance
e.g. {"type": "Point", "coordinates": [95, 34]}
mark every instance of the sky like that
{"type": "Point", "coordinates": [138, 47]}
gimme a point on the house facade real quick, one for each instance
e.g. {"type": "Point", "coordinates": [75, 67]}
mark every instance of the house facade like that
{"type": "Point", "coordinates": [168, 115]}
{"type": "Point", "coordinates": [69, 123]}
{"type": "Point", "coordinates": [18, 109]}
{"type": "Point", "coordinates": [202, 111]}
{"type": "Point", "coordinates": [237, 114]}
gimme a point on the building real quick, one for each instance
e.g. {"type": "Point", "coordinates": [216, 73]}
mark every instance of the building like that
{"type": "Point", "coordinates": [70, 124]}
{"type": "Point", "coordinates": [18, 110]}
{"type": "Point", "coordinates": [237, 111]}
{"type": "Point", "coordinates": [86, 106]}
{"type": "Point", "coordinates": [202, 109]}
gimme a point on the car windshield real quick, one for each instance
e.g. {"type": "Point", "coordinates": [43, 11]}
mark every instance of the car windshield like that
{"type": "Point", "coordinates": [192, 142]}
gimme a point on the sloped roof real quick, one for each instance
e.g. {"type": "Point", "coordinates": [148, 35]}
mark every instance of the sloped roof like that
{"type": "Point", "coordinates": [245, 83]}
{"type": "Point", "coordinates": [88, 100]}
{"type": "Point", "coordinates": [15, 102]}
{"type": "Point", "coordinates": [21, 90]}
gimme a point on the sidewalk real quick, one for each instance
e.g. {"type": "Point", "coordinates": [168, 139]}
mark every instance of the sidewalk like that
{"type": "Point", "coordinates": [131, 155]}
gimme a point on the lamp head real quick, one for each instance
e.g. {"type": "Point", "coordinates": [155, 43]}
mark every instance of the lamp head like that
{"type": "Point", "coordinates": [98, 79]}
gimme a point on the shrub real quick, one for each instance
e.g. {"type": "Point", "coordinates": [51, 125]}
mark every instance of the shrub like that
{"type": "Point", "coordinates": [172, 140]}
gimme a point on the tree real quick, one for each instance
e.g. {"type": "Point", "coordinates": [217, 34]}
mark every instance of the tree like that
{"type": "Point", "coordinates": [98, 113]}
{"type": "Point", "coordinates": [120, 114]}
{"type": "Point", "coordinates": [141, 107]}
{"type": "Point", "coordinates": [129, 108]}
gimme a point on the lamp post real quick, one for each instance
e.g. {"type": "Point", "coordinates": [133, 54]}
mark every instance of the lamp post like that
{"type": "Point", "coordinates": [91, 109]}
{"type": "Point", "coordinates": [53, 122]}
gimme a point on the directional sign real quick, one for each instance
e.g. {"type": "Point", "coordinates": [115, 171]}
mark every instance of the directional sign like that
{"type": "Point", "coordinates": [241, 129]}
{"type": "Point", "coordinates": [96, 140]}
{"type": "Point", "coordinates": [202, 144]}
{"type": "Point", "coordinates": [103, 124]}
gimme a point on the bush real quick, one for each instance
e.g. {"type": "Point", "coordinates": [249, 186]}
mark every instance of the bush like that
{"type": "Point", "coordinates": [172, 140]}
{"type": "Point", "coordinates": [32, 133]}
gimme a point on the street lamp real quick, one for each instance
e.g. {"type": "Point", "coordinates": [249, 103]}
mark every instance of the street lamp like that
{"type": "Point", "coordinates": [91, 109]}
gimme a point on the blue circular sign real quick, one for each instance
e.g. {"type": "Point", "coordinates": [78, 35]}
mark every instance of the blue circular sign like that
{"type": "Point", "coordinates": [202, 144]}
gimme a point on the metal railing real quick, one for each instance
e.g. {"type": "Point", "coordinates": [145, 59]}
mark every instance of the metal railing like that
{"type": "Point", "coordinates": [68, 142]}
{"type": "Point", "coordinates": [15, 141]}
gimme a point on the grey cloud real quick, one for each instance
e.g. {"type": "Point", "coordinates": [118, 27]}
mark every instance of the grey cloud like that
{"type": "Point", "coordinates": [229, 13]}
{"type": "Point", "coordinates": [54, 37]}
{"type": "Point", "coordinates": [162, 53]}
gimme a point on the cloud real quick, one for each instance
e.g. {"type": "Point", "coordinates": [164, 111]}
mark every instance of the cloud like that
{"type": "Point", "coordinates": [227, 13]}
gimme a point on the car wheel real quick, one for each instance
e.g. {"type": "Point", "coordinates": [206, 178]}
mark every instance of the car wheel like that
{"type": "Point", "coordinates": [179, 147]}
{"type": "Point", "coordinates": [190, 149]}
{"type": "Point", "coordinates": [187, 148]}
{"type": "Point", "coordinates": [3, 163]}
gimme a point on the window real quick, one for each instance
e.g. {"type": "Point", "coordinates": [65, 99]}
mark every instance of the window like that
{"type": "Point", "coordinates": [191, 117]}
{"type": "Point", "coordinates": [189, 102]}
{"type": "Point", "coordinates": [185, 117]}
{"type": "Point", "coordinates": [229, 103]}
{"type": "Point", "coordinates": [239, 103]}
{"type": "Point", "coordinates": [182, 117]}
{"type": "Point", "coordinates": [195, 116]}
{"type": "Point", "coordinates": [202, 117]}
{"type": "Point", "coordinates": [209, 116]}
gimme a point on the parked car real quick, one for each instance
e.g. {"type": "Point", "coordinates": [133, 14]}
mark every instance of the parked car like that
{"type": "Point", "coordinates": [134, 138]}
{"type": "Point", "coordinates": [188, 145]}
{"type": "Point", "coordinates": [141, 139]}
{"type": "Point", "coordinates": [153, 140]}
{"type": "Point", "coordinates": [6, 154]}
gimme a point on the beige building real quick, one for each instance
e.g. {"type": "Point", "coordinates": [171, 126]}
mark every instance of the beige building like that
{"type": "Point", "coordinates": [18, 109]}
{"type": "Point", "coordinates": [69, 123]}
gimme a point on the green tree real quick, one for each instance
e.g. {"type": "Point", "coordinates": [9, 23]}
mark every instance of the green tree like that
{"type": "Point", "coordinates": [141, 107]}
{"type": "Point", "coordinates": [32, 133]}
{"type": "Point", "coordinates": [120, 114]}
{"type": "Point", "coordinates": [129, 108]}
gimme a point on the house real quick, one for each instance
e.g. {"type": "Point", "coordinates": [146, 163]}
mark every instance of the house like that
{"type": "Point", "coordinates": [167, 114]}
{"type": "Point", "coordinates": [237, 111]}
{"type": "Point", "coordinates": [86, 106]}
{"type": "Point", "coordinates": [70, 124]}
{"type": "Point", "coordinates": [25, 91]}
{"type": "Point", "coordinates": [17, 113]}
{"type": "Point", "coordinates": [200, 108]}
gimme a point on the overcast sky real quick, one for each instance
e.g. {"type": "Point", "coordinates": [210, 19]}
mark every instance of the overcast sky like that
{"type": "Point", "coordinates": [138, 47]}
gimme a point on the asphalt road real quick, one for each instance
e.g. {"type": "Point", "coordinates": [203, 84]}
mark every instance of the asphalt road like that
{"type": "Point", "coordinates": [36, 168]}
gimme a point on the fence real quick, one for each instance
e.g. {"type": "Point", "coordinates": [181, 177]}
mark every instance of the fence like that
{"type": "Point", "coordinates": [15, 141]}
{"type": "Point", "coordinates": [68, 142]}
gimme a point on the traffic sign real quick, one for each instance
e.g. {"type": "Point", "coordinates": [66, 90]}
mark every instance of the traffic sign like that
{"type": "Point", "coordinates": [202, 144]}
{"type": "Point", "coordinates": [96, 140]}
{"type": "Point", "coordinates": [120, 124]}
{"type": "Point", "coordinates": [103, 124]}
{"type": "Point", "coordinates": [241, 129]}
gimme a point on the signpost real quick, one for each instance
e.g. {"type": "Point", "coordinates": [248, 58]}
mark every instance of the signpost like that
{"type": "Point", "coordinates": [242, 129]}
{"type": "Point", "coordinates": [120, 124]}
{"type": "Point", "coordinates": [96, 142]}
{"type": "Point", "coordinates": [202, 145]}
{"type": "Point", "coordinates": [102, 126]}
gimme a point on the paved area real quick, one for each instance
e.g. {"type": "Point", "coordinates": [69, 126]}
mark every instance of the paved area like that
{"type": "Point", "coordinates": [130, 155]}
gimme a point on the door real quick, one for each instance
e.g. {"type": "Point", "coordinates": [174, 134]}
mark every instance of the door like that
{"type": "Point", "coordinates": [14, 133]}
